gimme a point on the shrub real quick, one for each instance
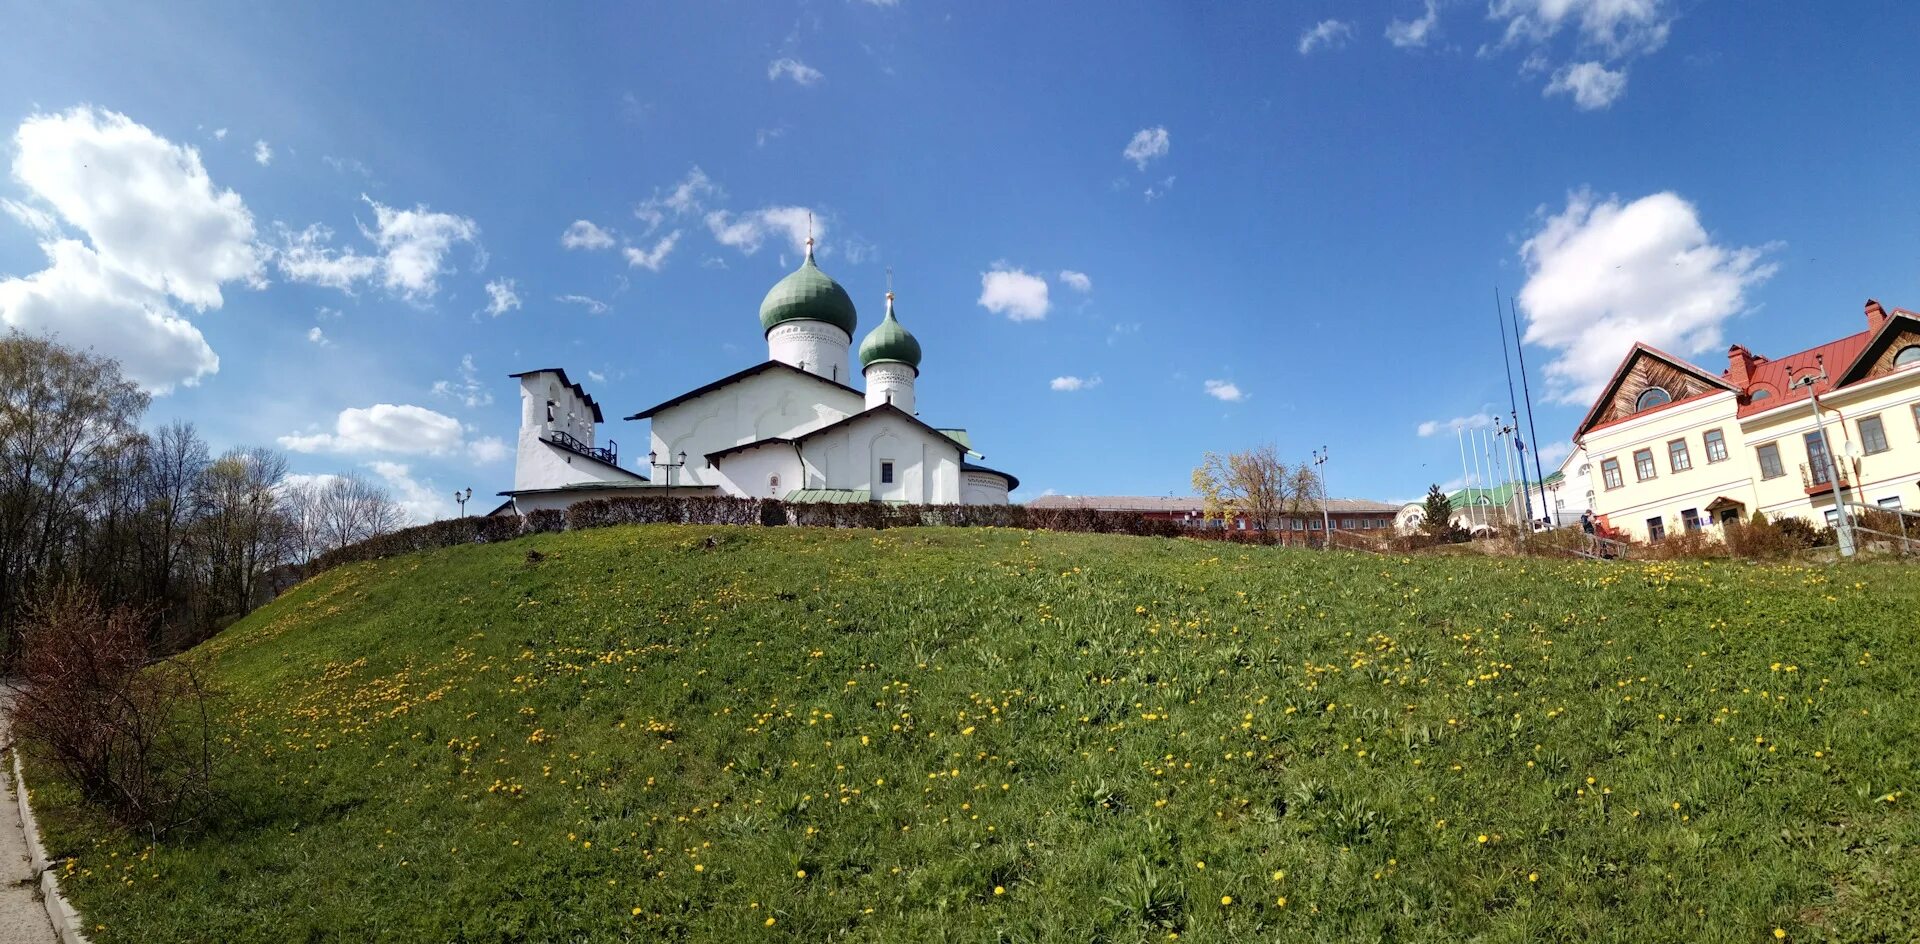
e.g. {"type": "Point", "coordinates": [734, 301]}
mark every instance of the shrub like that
{"type": "Point", "coordinates": [131, 738]}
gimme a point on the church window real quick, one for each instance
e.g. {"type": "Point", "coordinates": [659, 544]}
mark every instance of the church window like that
{"type": "Point", "coordinates": [550, 406]}
{"type": "Point", "coordinates": [886, 473]}
{"type": "Point", "coordinates": [1652, 397]}
{"type": "Point", "coordinates": [1908, 356]}
{"type": "Point", "coordinates": [773, 485]}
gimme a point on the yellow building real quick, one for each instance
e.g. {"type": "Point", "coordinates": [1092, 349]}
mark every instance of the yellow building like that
{"type": "Point", "coordinates": [1674, 447]}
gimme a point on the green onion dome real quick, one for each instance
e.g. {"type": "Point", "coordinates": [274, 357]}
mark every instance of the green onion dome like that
{"type": "Point", "coordinates": [890, 342]}
{"type": "Point", "coordinates": [807, 294]}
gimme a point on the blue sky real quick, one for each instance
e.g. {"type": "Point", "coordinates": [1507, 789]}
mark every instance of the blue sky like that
{"type": "Point", "coordinates": [1288, 220]}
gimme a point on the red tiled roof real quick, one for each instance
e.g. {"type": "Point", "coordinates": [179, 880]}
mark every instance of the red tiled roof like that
{"type": "Point", "coordinates": [1776, 375]}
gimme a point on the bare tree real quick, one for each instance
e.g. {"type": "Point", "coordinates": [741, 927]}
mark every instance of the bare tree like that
{"type": "Point", "coordinates": [243, 527]}
{"type": "Point", "coordinates": [337, 511]}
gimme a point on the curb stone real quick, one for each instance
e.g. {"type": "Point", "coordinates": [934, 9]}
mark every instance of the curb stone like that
{"type": "Point", "coordinates": [66, 921]}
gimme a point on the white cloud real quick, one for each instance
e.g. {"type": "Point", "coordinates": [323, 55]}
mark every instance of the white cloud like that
{"type": "Point", "coordinates": [145, 203]}
{"type": "Point", "coordinates": [762, 136]}
{"type": "Point", "coordinates": [219, 134]}
{"type": "Point", "coordinates": [1014, 293]}
{"type": "Point", "coordinates": [384, 427]}
{"type": "Point", "coordinates": [1553, 453]}
{"type": "Point", "coordinates": [1592, 85]}
{"type": "Point", "coordinates": [1071, 384]}
{"type": "Point", "coordinates": [596, 376]}
{"type": "Point", "coordinates": [1602, 274]}
{"type": "Point", "coordinates": [687, 198]}
{"type": "Point", "coordinates": [1078, 281]}
{"type": "Point", "coordinates": [40, 221]}
{"type": "Point", "coordinates": [308, 256]}
{"type": "Point", "coordinates": [156, 228]}
{"type": "Point", "coordinates": [1617, 27]}
{"type": "Point", "coordinates": [1148, 144]}
{"type": "Point", "coordinates": [1410, 34]}
{"type": "Point", "coordinates": [583, 234]}
{"type": "Point", "coordinates": [790, 68]}
{"type": "Point", "coordinates": [416, 243]}
{"type": "Point", "coordinates": [501, 297]}
{"type": "Point", "coordinates": [262, 153]}
{"type": "Point", "coordinates": [422, 502]}
{"type": "Point", "coordinates": [1326, 34]}
{"type": "Point", "coordinates": [1479, 420]}
{"type": "Point", "coordinates": [652, 259]}
{"type": "Point", "coordinates": [593, 306]}
{"type": "Point", "coordinates": [487, 450]}
{"type": "Point", "coordinates": [343, 165]}
{"type": "Point", "coordinates": [1225, 390]}
{"type": "Point", "coordinates": [468, 389]}
{"type": "Point", "coordinates": [747, 231]}
{"type": "Point", "coordinates": [318, 336]}
{"type": "Point", "coordinates": [1159, 190]}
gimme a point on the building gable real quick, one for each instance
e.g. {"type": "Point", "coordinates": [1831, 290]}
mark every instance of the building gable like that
{"type": "Point", "coordinates": [1646, 368]}
{"type": "Point", "coordinates": [1900, 332]}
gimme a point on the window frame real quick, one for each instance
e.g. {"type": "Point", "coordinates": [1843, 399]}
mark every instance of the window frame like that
{"type": "Point", "coordinates": [886, 472]}
{"type": "Point", "coordinates": [1820, 473]}
{"type": "Point", "coordinates": [1760, 453]}
{"type": "Point", "coordinates": [1610, 475]}
{"type": "Point", "coordinates": [1879, 431]}
{"type": "Point", "coordinates": [1690, 520]}
{"type": "Point", "coordinates": [1711, 438]}
{"type": "Point", "coordinates": [1648, 470]}
{"type": "Point", "coordinates": [1656, 528]}
{"type": "Point", "coordinates": [1685, 455]}
{"type": "Point", "coordinates": [1640, 404]}
{"type": "Point", "coordinates": [1914, 361]}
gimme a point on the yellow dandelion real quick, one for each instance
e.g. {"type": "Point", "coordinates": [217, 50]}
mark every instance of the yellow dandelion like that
{"type": "Point", "coordinates": [999, 889]}
{"type": "Point", "coordinates": [1226, 899]}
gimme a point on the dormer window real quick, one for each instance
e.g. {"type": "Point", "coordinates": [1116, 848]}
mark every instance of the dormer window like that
{"type": "Point", "coordinates": [1652, 397]}
{"type": "Point", "coordinates": [1908, 356]}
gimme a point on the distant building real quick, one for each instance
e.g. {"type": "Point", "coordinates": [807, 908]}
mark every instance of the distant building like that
{"type": "Point", "coordinates": [1306, 527]}
{"type": "Point", "coordinates": [1674, 447]}
{"type": "Point", "coordinates": [789, 427]}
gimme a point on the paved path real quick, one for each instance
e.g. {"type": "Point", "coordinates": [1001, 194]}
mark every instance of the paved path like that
{"type": "Point", "coordinates": [23, 917]}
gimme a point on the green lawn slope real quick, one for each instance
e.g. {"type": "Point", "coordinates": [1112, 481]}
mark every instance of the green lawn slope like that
{"type": "Point", "coordinates": [709, 734]}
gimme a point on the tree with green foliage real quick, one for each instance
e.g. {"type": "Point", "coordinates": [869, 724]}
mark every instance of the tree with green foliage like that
{"type": "Point", "coordinates": [1437, 514]}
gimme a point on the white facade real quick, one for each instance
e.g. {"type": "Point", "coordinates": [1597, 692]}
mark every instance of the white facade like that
{"type": "Point", "coordinates": [772, 404]}
{"type": "Point", "coordinates": [557, 443]}
{"type": "Point", "coordinates": [813, 346]}
{"type": "Point", "coordinates": [890, 382]}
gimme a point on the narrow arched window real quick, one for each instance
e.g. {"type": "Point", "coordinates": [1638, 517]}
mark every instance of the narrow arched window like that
{"type": "Point", "coordinates": [1908, 356]}
{"type": "Point", "coordinates": [1652, 397]}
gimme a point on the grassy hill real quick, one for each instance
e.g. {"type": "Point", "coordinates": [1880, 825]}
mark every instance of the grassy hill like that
{"type": "Point", "coordinates": [707, 734]}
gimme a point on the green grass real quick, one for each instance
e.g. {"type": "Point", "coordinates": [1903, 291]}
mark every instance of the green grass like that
{"type": "Point", "coordinates": [679, 733]}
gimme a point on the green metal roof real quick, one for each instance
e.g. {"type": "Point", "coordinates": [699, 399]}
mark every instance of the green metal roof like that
{"type": "Point", "coordinates": [841, 496]}
{"type": "Point", "coordinates": [890, 341]}
{"type": "Point", "coordinates": [807, 294]}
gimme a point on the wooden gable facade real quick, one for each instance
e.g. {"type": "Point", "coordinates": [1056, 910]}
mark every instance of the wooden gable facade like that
{"type": "Point", "coordinates": [1643, 369]}
{"type": "Point", "coordinates": [1901, 331]}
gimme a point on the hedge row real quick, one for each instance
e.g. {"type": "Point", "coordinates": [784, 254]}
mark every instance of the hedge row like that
{"type": "Point", "coordinates": [608, 512]}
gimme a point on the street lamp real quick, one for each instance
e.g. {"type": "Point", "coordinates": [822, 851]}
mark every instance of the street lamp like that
{"type": "Point", "coordinates": [653, 459]}
{"type": "Point", "coordinates": [1326, 520]}
{"type": "Point", "coordinates": [1845, 529]}
{"type": "Point", "coordinates": [462, 499]}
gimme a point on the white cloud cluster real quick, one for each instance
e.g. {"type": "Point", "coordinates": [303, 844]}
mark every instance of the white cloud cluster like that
{"type": "Point", "coordinates": [1019, 295]}
{"type": "Point", "coordinates": [1072, 384]}
{"type": "Point", "coordinates": [1078, 281]}
{"type": "Point", "coordinates": [1479, 420]}
{"type": "Point", "coordinates": [1412, 34]}
{"type": "Point", "coordinates": [501, 297]}
{"type": "Point", "coordinates": [787, 67]}
{"type": "Point", "coordinates": [399, 430]}
{"type": "Point", "coordinates": [468, 390]}
{"type": "Point", "coordinates": [652, 259]}
{"type": "Point", "coordinates": [1147, 145]}
{"type": "Point", "coordinates": [412, 251]}
{"type": "Point", "coordinates": [1617, 27]}
{"type": "Point", "coordinates": [1592, 85]}
{"type": "Point", "coordinates": [422, 502]}
{"type": "Point", "coordinates": [318, 336]}
{"type": "Point", "coordinates": [583, 234]}
{"type": "Point", "coordinates": [1602, 274]}
{"type": "Point", "coordinates": [687, 198]}
{"type": "Point", "coordinates": [593, 306]}
{"type": "Point", "coordinates": [1225, 390]}
{"type": "Point", "coordinates": [262, 153]}
{"type": "Point", "coordinates": [1326, 34]}
{"type": "Point", "coordinates": [747, 231]}
{"type": "Point", "coordinates": [156, 231]}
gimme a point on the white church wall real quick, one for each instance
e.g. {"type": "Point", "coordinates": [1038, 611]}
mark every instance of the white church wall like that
{"type": "Point", "coordinates": [774, 403]}
{"type": "Point", "coordinates": [770, 471]}
{"type": "Point", "coordinates": [548, 406]}
{"type": "Point", "coordinates": [925, 464]}
{"type": "Point", "coordinates": [983, 488]}
{"type": "Point", "coordinates": [890, 383]}
{"type": "Point", "coordinates": [812, 346]}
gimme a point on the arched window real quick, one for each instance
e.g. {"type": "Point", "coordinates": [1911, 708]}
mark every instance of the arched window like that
{"type": "Point", "coordinates": [1652, 397]}
{"type": "Point", "coordinates": [1908, 356]}
{"type": "Point", "coordinates": [773, 485]}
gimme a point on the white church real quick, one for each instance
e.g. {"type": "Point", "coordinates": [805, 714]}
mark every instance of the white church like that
{"type": "Point", "coordinates": [790, 428]}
